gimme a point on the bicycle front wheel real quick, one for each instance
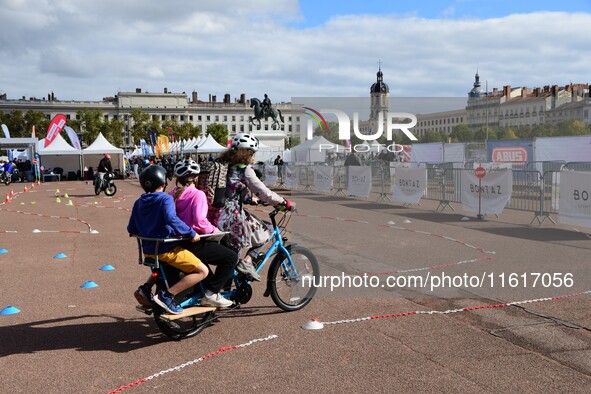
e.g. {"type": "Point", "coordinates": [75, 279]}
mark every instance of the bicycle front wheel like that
{"type": "Point", "coordinates": [293, 284]}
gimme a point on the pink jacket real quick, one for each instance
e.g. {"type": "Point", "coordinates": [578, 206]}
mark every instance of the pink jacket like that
{"type": "Point", "coordinates": [191, 208]}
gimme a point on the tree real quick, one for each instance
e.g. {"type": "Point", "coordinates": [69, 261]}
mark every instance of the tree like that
{"type": "Point", "coordinates": [461, 133]}
{"type": "Point", "coordinates": [570, 127]}
{"type": "Point", "coordinates": [140, 120]}
{"type": "Point", "coordinates": [39, 120]}
{"type": "Point", "coordinates": [90, 123]}
{"type": "Point", "coordinates": [430, 136]}
{"type": "Point", "coordinates": [507, 134]}
{"type": "Point", "coordinates": [290, 142]}
{"type": "Point", "coordinates": [113, 131]}
{"type": "Point", "coordinates": [16, 124]}
{"type": "Point", "coordinates": [219, 132]}
{"type": "Point", "coordinates": [187, 130]}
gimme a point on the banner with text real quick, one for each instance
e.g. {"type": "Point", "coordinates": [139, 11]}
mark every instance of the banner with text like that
{"type": "Point", "coordinates": [323, 178]}
{"type": "Point", "coordinates": [270, 175]}
{"type": "Point", "coordinates": [575, 198]}
{"type": "Point", "coordinates": [495, 189]}
{"type": "Point", "coordinates": [359, 180]}
{"type": "Point", "coordinates": [410, 185]}
{"type": "Point", "coordinates": [291, 177]}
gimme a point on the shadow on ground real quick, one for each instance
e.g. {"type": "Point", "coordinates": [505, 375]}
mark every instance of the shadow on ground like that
{"type": "Point", "coordinates": [119, 335]}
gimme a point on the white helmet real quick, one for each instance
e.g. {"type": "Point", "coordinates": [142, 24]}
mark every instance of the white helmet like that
{"type": "Point", "coordinates": [245, 141]}
{"type": "Point", "coordinates": [186, 167]}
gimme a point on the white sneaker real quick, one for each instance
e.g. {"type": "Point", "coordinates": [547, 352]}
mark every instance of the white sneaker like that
{"type": "Point", "coordinates": [216, 300]}
{"type": "Point", "coordinates": [247, 268]}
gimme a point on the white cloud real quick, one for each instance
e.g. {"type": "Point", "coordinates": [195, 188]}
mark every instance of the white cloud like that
{"type": "Point", "coordinates": [218, 47]}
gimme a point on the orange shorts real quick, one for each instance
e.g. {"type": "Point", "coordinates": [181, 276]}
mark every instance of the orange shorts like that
{"type": "Point", "coordinates": [180, 258]}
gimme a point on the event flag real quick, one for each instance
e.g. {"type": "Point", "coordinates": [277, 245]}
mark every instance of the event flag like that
{"type": "Point", "coordinates": [73, 137]}
{"type": "Point", "coordinates": [55, 126]}
{"type": "Point", "coordinates": [6, 132]}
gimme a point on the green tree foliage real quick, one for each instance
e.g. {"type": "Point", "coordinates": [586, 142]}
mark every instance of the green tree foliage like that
{"type": "Point", "coordinates": [430, 136]}
{"type": "Point", "coordinates": [507, 134]}
{"type": "Point", "coordinates": [140, 124]}
{"type": "Point", "coordinates": [15, 121]}
{"type": "Point", "coordinates": [90, 124]}
{"type": "Point", "coordinates": [219, 132]}
{"type": "Point", "coordinates": [570, 127]}
{"type": "Point", "coordinates": [290, 142]}
{"type": "Point", "coordinates": [461, 133]}
{"type": "Point", "coordinates": [39, 120]}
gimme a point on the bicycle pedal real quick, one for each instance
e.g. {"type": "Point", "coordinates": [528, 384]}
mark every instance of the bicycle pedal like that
{"type": "Point", "coordinates": [144, 309]}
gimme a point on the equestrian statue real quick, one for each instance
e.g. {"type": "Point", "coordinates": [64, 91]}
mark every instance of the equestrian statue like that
{"type": "Point", "coordinates": [264, 110]}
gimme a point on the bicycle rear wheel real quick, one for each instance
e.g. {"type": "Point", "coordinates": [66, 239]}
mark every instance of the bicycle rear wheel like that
{"type": "Point", "coordinates": [293, 284]}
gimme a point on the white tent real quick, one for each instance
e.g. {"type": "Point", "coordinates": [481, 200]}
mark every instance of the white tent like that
{"type": "Point", "coordinates": [206, 145]}
{"type": "Point", "coordinates": [60, 154]}
{"type": "Point", "coordinates": [92, 155]}
{"type": "Point", "coordinates": [314, 150]}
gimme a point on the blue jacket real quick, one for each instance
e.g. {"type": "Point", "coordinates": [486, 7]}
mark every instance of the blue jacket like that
{"type": "Point", "coordinates": [154, 216]}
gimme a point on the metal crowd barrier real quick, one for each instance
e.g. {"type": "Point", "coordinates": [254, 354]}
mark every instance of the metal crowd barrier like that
{"type": "Point", "coordinates": [535, 185]}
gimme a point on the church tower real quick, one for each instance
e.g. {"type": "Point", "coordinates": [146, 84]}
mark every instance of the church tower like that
{"type": "Point", "coordinates": [380, 101]}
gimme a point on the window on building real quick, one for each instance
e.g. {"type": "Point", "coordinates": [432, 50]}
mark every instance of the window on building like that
{"type": "Point", "coordinates": [208, 118]}
{"type": "Point", "coordinates": [225, 118]}
{"type": "Point", "coordinates": [154, 117]}
{"type": "Point", "coordinates": [199, 118]}
{"type": "Point", "coordinates": [234, 128]}
{"type": "Point", "coordinates": [182, 118]}
{"type": "Point", "coordinates": [106, 117]}
{"type": "Point", "coordinates": [163, 117]}
{"type": "Point", "coordinates": [191, 118]}
{"type": "Point", "coordinates": [233, 118]}
{"type": "Point", "coordinates": [217, 118]}
{"type": "Point", "coordinates": [242, 128]}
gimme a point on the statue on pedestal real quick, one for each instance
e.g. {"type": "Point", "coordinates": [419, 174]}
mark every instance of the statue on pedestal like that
{"type": "Point", "coordinates": [264, 110]}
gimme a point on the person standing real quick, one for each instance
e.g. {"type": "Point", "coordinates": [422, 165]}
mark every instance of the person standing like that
{"type": "Point", "coordinates": [279, 163]}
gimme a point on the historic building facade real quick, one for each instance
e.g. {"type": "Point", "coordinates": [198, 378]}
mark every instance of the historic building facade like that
{"type": "Point", "coordinates": [235, 115]}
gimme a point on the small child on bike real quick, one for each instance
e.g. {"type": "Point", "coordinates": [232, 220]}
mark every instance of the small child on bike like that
{"type": "Point", "coordinates": [154, 216]}
{"type": "Point", "coordinates": [246, 230]}
{"type": "Point", "coordinates": [191, 207]}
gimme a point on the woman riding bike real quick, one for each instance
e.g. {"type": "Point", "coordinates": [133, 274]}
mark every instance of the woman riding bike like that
{"type": "Point", "coordinates": [247, 232]}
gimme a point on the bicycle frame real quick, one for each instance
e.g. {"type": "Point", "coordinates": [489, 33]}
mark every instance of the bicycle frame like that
{"type": "Point", "coordinates": [277, 246]}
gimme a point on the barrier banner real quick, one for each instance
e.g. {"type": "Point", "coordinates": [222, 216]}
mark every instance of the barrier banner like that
{"type": "Point", "coordinates": [575, 198]}
{"type": "Point", "coordinates": [270, 175]}
{"type": "Point", "coordinates": [323, 178]}
{"type": "Point", "coordinates": [359, 180]}
{"type": "Point", "coordinates": [410, 185]}
{"type": "Point", "coordinates": [496, 188]}
{"type": "Point", "coordinates": [291, 177]}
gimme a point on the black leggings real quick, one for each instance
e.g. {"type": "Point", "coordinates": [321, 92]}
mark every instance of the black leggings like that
{"type": "Point", "coordinates": [213, 253]}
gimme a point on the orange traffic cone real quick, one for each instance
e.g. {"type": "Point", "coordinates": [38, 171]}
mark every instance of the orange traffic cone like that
{"type": "Point", "coordinates": [32, 185]}
{"type": "Point", "coordinates": [26, 190]}
{"type": "Point", "coordinates": [7, 201]}
{"type": "Point", "coordinates": [12, 193]}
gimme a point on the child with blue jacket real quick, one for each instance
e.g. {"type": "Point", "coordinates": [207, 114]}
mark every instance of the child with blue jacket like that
{"type": "Point", "coordinates": [154, 216]}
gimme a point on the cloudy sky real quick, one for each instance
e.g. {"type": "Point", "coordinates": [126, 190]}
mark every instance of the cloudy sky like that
{"type": "Point", "coordinates": [89, 49]}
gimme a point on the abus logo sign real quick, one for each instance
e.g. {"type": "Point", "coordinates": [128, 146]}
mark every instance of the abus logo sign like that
{"type": "Point", "coordinates": [392, 123]}
{"type": "Point", "coordinates": [512, 153]}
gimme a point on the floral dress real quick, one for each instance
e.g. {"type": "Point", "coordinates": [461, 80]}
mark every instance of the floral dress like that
{"type": "Point", "coordinates": [246, 230]}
